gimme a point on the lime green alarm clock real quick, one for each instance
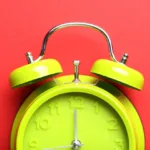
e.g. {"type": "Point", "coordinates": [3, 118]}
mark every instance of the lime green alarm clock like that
{"type": "Point", "coordinates": [77, 111]}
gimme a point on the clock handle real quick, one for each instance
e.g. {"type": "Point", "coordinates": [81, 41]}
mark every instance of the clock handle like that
{"type": "Point", "coordinates": [70, 24]}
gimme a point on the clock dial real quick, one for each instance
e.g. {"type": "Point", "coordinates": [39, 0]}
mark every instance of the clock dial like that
{"type": "Point", "coordinates": [98, 124]}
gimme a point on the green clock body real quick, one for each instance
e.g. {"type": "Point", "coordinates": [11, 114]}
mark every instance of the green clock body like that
{"type": "Point", "coordinates": [106, 119]}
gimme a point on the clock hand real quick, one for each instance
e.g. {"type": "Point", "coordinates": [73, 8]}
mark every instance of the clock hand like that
{"type": "Point", "coordinates": [75, 126]}
{"type": "Point", "coordinates": [59, 147]}
{"type": "Point", "coordinates": [76, 143]}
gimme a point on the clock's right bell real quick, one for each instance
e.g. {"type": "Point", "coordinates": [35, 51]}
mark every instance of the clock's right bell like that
{"type": "Point", "coordinates": [118, 72]}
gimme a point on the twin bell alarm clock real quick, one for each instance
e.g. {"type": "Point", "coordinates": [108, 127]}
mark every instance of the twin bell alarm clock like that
{"type": "Point", "coordinates": [77, 112]}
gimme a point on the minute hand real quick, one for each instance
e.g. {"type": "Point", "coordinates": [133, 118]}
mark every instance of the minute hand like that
{"type": "Point", "coordinates": [75, 126]}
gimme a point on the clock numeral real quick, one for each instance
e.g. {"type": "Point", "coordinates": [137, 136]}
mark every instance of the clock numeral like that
{"type": "Point", "coordinates": [33, 145]}
{"type": "Point", "coordinates": [76, 102]}
{"type": "Point", "coordinates": [97, 108]}
{"type": "Point", "coordinates": [54, 108]}
{"type": "Point", "coordinates": [43, 124]}
{"type": "Point", "coordinates": [113, 124]}
{"type": "Point", "coordinates": [119, 144]}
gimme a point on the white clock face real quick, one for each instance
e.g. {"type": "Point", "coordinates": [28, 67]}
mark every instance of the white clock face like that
{"type": "Point", "coordinates": [86, 118]}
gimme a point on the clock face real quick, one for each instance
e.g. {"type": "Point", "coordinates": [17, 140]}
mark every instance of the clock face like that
{"type": "Point", "coordinates": [98, 124]}
{"type": "Point", "coordinates": [97, 117]}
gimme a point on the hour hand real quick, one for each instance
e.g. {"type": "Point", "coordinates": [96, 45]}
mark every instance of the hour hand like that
{"type": "Point", "coordinates": [59, 147]}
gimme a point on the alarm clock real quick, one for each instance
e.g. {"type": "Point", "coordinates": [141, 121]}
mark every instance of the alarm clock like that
{"type": "Point", "coordinates": [77, 111]}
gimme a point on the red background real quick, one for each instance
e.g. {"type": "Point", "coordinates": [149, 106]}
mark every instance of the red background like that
{"type": "Point", "coordinates": [23, 25]}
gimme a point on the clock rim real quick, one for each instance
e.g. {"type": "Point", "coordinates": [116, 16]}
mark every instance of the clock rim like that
{"type": "Point", "coordinates": [134, 117]}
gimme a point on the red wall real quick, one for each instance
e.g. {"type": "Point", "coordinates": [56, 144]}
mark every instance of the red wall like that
{"type": "Point", "coordinates": [23, 24]}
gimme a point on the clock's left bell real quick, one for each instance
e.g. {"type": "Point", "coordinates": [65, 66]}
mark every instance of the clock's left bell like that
{"type": "Point", "coordinates": [34, 72]}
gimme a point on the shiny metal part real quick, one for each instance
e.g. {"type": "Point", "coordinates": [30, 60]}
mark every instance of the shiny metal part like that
{"type": "Point", "coordinates": [96, 82]}
{"type": "Point", "coordinates": [76, 144]}
{"type": "Point", "coordinates": [70, 24]}
{"type": "Point", "coordinates": [59, 147]}
{"type": "Point", "coordinates": [76, 71]}
{"type": "Point", "coordinates": [75, 126]}
{"type": "Point", "coordinates": [55, 81]}
{"type": "Point", "coordinates": [124, 58]}
{"type": "Point", "coordinates": [29, 57]}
